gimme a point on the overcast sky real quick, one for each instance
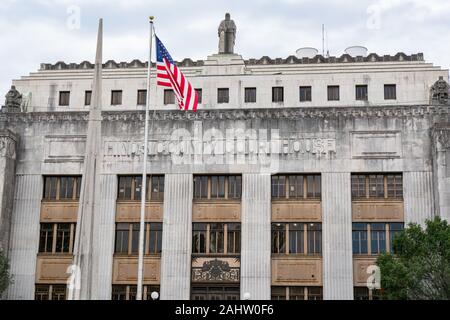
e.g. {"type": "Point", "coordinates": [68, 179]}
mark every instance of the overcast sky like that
{"type": "Point", "coordinates": [47, 31]}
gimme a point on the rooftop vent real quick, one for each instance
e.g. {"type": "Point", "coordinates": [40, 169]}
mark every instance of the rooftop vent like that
{"type": "Point", "coordinates": [356, 51]}
{"type": "Point", "coordinates": [306, 52]}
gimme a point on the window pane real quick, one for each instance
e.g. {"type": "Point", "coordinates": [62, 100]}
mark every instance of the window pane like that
{"type": "Point", "coordinates": [42, 292]}
{"type": "Point", "coordinates": [314, 238]}
{"type": "Point", "coordinates": [278, 186]}
{"type": "Point", "coordinates": [250, 95]}
{"type": "Point", "coordinates": [199, 95]}
{"type": "Point", "coordinates": [223, 95]}
{"type": "Point", "coordinates": [313, 186]}
{"type": "Point", "coordinates": [333, 93]}
{"type": "Point", "coordinates": [359, 238]}
{"type": "Point", "coordinates": [361, 293]}
{"type": "Point", "coordinates": [169, 96]}
{"type": "Point", "coordinates": [378, 238]}
{"type": "Point", "coordinates": [358, 186]}
{"type": "Point", "coordinates": [278, 238]}
{"type": "Point", "coordinates": [234, 238]}
{"type": "Point", "coordinates": [234, 187]}
{"type": "Point", "coordinates": [66, 187]}
{"type": "Point", "coordinates": [116, 97]}
{"type": "Point", "coordinates": [62, 237]}
{"type": "Point", "coordinates": [119, 292]}
{"type": "Point", "coordinates": [157, 188]}
{"type": "Point", "coordinates": [395, 229]}
{"type": "Point", "coordinates": [278, 293]}
{"type": "Point", "coordinates": [137, 190]}
{"type": "Point", "coordinates": [87, 98]}
{"type": "Point", "coordinates": [122, 236]}
{"type": "Point", "coordinates": [361, 93]}
{"type": "Point", "coordinates": [59, 292]}
{"type": "Point", "coordinates": [155, 238]}
{"type": "Point", "coordinates": [217, 186]}
{"type": "Point", "coordinates": [135, 238]}
{"type": "Point", "coordinates": [315, 293]}
{"type": "Point", "coordinates": [390, 92]}
{"type": "Point", "coordinates": [124, 188]}
{"type": "Point", "coordinates": [376, 186]}
{"type": "Point", "coordinates": [46, 237]}
{"type": "Point", "coordinates": [199, 237]}
{"type": "Point", "coordinates": [216, 244]}
{"type": "Point", "coordinates": [305, 94]}
{"type": "Point", "coordinates": [64, 98]}
{"type": "Point", "coordinates": [296, 238]}
{"type": "Point", "coordinates": [142, 97]}
{"type": "Point", "coordinates": [277, 94]}
{"type": "Point", "coordinates": [296, 186]}
{"type": "Point", "coordinates": [50, 188]}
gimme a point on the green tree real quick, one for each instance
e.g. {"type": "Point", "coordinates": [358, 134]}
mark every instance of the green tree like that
{"type": "Point", "coordinates": [5, 278]}
{"type": "Point", "coordinates": [419, 268]}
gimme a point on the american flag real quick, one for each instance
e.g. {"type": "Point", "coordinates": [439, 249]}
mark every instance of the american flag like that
{"type": "Point", "coordinates": [168, 75]}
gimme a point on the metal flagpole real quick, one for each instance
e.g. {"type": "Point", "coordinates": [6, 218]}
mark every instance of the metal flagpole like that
{"type": "Point", "coordinates": [144, 174]}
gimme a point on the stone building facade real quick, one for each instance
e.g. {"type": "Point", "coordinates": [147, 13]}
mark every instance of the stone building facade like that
{"type": "Point", "coordinates": [290, 179]}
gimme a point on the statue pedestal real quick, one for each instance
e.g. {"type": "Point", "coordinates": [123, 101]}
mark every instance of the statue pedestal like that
{"type": "Point", "coordinates": [223, 64]}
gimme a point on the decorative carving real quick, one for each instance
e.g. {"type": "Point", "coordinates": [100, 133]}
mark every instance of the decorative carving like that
{"type": "Point", "coordinates": [441, 134]}
{"type": "Point", "coordinates": [439, 92]}
{"type": "Point", "coordinates": [13, 100]}
{"type": "Point", "coordinates": [7, 147]}
{"type": "Point", "coordinates": [236, 114]}
{"type": "Point", "coordinates": [227, 35]}
{"type": "Point", "coordinates": [217, 271]}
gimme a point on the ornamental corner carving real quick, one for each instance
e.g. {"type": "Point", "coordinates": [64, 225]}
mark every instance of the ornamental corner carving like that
{"type": "Point", "coordinates": [7, 147]}
{"type": "Point", "coordinates": [439, 92]}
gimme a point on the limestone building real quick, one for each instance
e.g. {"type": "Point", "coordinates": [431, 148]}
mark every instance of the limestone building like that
{"type": "Point", "coordinates": [289, 180]}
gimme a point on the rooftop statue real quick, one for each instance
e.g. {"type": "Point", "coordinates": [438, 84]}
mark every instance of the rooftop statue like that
{"type": "Point", "coordinates": [13, 100]}
{"type": "Point", "coordinates": [227, 35]}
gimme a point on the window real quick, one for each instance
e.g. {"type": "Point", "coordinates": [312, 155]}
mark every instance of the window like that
{"type": "Point", "coordinates": [296, 293]}
{"type": "Point", "coordinates": [333, 93]}
{"type": "Point", "coordinates": [395, 229]}
{"type": "Point", "coordinates": [215, 292]}
{"type": "Point", "coordinates": [359, 238]}
{"type": "Point", "coordinates": [127, 238]}
{"type": "Point", "coordinates": [217, 187]}
{"type": "Point", "coordinates": [199, 95]}
{"type": "Point", "coordinates": [142, 97]}
{"type": "Point", "coordinates": [299, 187]}
{"type": "Point", "coordinates": [169, 96]}
{"type": "Point", "coordinates": [116, 97]}
{"type": "Point", "coordinates": [56, 238]}
{"type": "Point", "coordinates": [378, 238]}
{"type": "Point", "coordinates": [277, 94]}
{"type": "Point", "coordinates": [390, 92]}
{"type": "Point", "coordinates": [361, 92]}
{"type": "Point", "coordinates": [64, 98]}
{"type": "Point", "coordinates": [212, 238]}
{"type": "Point", "coordinates": [130, 188]}
{"type": "Point", "coordinates": [305, 94]}
{"type": "Point", "coordinates": [199, 233]}
{"type": "Point", "coordinates": [62, 188]}
{"type": "Point", "coordinates": [364, 293]}
{"type": "Point", "coordinates": [387, 186]}
{"type": "Point", "coordinates": [216, 238]}
{"type": "Point", "coordinates": [50, 292]}
{"type": "Point", "coordinates": [250, 95]}
{"type": "Point", "coordinates": [129, 292]}
{"type": "Point", "coordinates": [303, 238]}
{"type": "Point", "coordinates": [223, 95]}
{"type": "Point", "coordinates": [87, 98]}
{"type": "Point", "coordinates": [46, 237]}
{"type": "Point", "coordinates": [296, 238]}
{"type": "Point", "coordinates": [314, 238]}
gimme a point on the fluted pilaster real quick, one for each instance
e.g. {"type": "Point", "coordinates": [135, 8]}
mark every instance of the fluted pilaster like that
{"type": "Point", "coordinates": [418, 195]}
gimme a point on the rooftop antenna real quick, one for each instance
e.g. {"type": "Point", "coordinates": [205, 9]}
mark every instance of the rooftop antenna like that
{"type": "Point", "coordinates": [328, 51]}
{"type": "Point", "coordinates": [323, 39]}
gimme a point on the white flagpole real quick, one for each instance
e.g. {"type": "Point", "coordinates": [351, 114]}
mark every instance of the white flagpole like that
{"type": "Point", "coordinates": [144, 174]}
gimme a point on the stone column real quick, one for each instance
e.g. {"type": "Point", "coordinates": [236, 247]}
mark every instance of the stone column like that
{"type": "Point", "coordinates": [255, 242]}
{"type": "Point", "coordinates": [177, 237]}
{"type": "Point", "coordinates": [418, 195]}
{"type": "Point", "coordinates": [8, 142]}
{"type": "Point", "coordinates": [104, 226]}
{"type": "Point", "coordinates": [24, 241]}
{"type": "Point", "coordinates": [441, 169]}
{"type": "Point", "coordinates": [337, 236]}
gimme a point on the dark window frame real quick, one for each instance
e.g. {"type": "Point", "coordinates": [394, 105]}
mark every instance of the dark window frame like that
{"type": "Point", "coordinates": [390, 92]}
{"type": "Point", "coordinates": [223, 95]}
{"type": "Point", "coordinates": [333, 93]}
{"type": "Point", "coordinates": [277, 94]}
{"type": "Point", "coordinates": [64, 98]}
{"type": "Point", "coordinates": [116, 97]}
{"type": "Point", "coordinates": [362, 92]}
{"type": "Point", "coordinates": [250, 95]}
{"type": "Point", "coordinates": [305, 93]}
{"type": "Point", "coordinates": [142, 97]}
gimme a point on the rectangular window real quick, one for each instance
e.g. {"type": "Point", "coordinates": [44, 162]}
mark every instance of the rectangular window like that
{"type": "Point", "coordinates": [313, 186]}
{"type": "Point", "coordinates": [42, 292]}
{"type": "Point", "coordinates": [87, 97]}
{"type": "Point", "coordinates": [201, 187]}
{"type": "Point", "coordinates": [359, 238]}
{"type": "Point", "coordinates": [50, 292]}
{"type": "Point", "coordinates": [116, 97]}
{"type": "Point", "coordinates": [378, 238]}
{"type": "Point", "coordinates": [50, 187]}
{"type": "Point", "coordinates": [130, 188]}
{"type": "Point", "coordinates": [59, 292]}
{"type": "Point", "coordinates": [296, 293]}
{"type": "Point", "coordinates": [296, 186]}
{"type": "Point", "coordinates": [277, 94]}
{"type": "Point", "coordinates": [296, 238]}
{"type": "Point", "coordinates": [199, 233]}
{"type": "Point", "coordinates": [216, 238]}
{"type": "Point", "coordinates": [388, 186]}
{"type": "Point", "coordinates": [278, 238]}
{"type": "Point", "coordinates": [278, 293]}
{"type": "Point", "coordinates": [395, 229]}
{"type": "Point", "coordinates": [278, 187]}
{"type": "Point", "coordinates": [119, 292]}
{"type": "Point", "coordinates": [250, 95]}
{"type": "Point", "coordinates": [333, 93]}
{"type": "Point", "coordinates": [142, 97]}
{"type": "Point", "coordinates": [223, 95]}
{"type": "Point", "coordinates": [62, 188]}
{"type": "Point", "coordinates": [46, 238]}
{"type": "Point", "coordinates": [234, 187]}
{"type": "Point", "coordinates": [135, 237]}
{"type": "Point", "coordinates": [122, 237]}
{"type": "Point", "coordinates": [361, 92]}
{"type": "Point", "coordinates": [305, 94]}
{"type": "Point", "coordinates": [217, 187]}
{"type": "Point", "coordinates": [234, 238]}
{"type": "Point", "coordinates": [63, 237]}
{"type": "Point", "coordinates": [314, 238]}
{"type": "Point", "coordinates": [390, 92]}
{"type": "Point", "coordinates": [169, 96]}
{"type": "Point", "coordinates": [199, 95]}
{"type": "Point", "coordinates": [64, 98]}
{"type": "Point", "coordinates": [155, 237]}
